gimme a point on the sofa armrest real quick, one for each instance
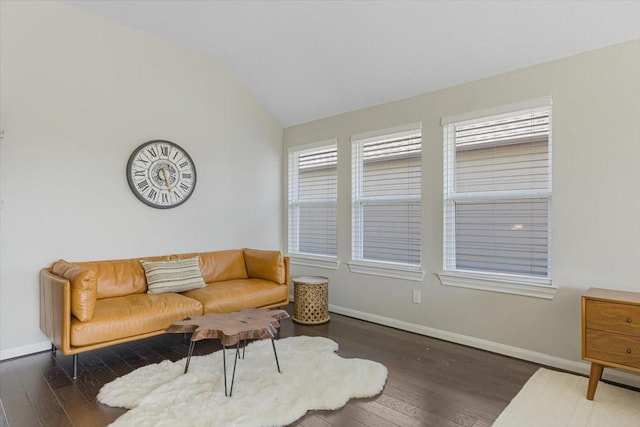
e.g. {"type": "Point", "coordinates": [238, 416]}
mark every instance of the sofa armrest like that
{"type": "Point", "coordinates": [55, 309]}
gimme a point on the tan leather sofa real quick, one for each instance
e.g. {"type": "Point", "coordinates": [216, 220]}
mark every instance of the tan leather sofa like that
{"type": "Point", "coordinates": [89, 305]}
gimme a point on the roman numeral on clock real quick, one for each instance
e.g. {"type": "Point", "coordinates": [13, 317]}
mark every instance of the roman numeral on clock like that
{"type": "Point", "coordinates": [143, 185]}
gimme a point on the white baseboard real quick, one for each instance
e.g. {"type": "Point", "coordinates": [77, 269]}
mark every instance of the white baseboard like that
{"type": "Point", "coordinates": [25, 350]}
{"type": "Point", "coordinates": [507, 350]}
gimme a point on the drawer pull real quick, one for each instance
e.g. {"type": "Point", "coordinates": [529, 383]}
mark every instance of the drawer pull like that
{"type": "Point", "coordinates": [629, 350]}
{"type": "Point", "coordinates": [629, 319]}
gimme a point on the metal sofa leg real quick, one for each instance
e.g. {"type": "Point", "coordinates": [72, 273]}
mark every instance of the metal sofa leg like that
{"type": "Point", "coordinates": [53, 349]}
{"type": "Point", "coordinates": [75, 366]}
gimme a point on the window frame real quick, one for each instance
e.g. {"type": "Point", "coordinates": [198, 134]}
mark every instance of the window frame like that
{"type": "Point", "coordinates": [358, 264]}
{"type": "Point", "coordinates": [297, 257]}
{"type": "Point", "coordinates": [518, 284]}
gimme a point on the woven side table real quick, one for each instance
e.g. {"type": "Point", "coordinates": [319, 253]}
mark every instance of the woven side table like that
{"type": "Point", "coordinates": [311, 300]}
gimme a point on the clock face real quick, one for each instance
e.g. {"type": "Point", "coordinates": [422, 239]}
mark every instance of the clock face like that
{"type": "Point", "coordinates": [161, 174]}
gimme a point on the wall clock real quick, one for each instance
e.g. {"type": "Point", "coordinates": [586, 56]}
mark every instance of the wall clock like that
{"type": "Point", "coordinates": [161, 174]}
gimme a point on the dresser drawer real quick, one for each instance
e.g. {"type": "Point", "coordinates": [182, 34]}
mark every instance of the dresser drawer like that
{"type": "Point", "coordinates": [612, 347]}
{"type": "Point", "coordinates": [614, 317]}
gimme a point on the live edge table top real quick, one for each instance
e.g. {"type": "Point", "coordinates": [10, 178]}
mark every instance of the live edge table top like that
{"type": "Point", "coordinates": [229, 328]}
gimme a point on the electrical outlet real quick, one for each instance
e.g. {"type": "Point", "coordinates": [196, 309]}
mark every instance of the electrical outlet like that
{"type": "Point", "coordinates": [416, 296]}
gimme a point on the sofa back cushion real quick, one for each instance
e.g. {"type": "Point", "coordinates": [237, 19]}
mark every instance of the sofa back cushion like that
{"type": "Point", "coordinates": [220, 265]}
{"type": "Point", "coordinates": [207, 263]}
{"type": "Point", "coordinates": [267, 265]}
{"type": "Point", "coordinates": [118, 278]}
{"type": "Point", "coordinates": [230, 265]}
{"type": "Point", "coordinates": [83, 288]}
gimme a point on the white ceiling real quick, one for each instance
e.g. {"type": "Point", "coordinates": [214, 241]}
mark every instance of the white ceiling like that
{"type": "Point", "coordinates": [305, 60]}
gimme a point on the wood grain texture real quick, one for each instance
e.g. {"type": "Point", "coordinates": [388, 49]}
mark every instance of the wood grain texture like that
{"type": "Point", "coordinates": [229, 328]}
{"type": "Point", "coordinates": [431, 382]}
{"type": "Point", "coordinates": [614, 348]}
{"type": "Point", "coordinates": [613, 295]}
{"type": "Point", "coordinates": [610, 332]}
{"type": "Point", "coordinates": [613, 317]}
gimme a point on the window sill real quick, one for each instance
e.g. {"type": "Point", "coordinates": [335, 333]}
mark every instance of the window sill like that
{"type": "Point", "coordinates": [503, 283]}
{"type": "Point", "coordinates": [330, 263]}
{"type": "Point", "coordinates": [397, 271]}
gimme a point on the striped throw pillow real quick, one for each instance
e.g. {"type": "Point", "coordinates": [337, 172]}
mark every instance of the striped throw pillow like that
{"type": "Point", "coordinates": [173, 276]}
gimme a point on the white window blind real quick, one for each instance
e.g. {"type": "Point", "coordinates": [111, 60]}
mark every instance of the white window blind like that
{"type": "Point", "coordinates": [497, 194]}
{"type": "Point", "coordinates": [312, 201]}
{"type": "Point", "coordinates": [386, 198]}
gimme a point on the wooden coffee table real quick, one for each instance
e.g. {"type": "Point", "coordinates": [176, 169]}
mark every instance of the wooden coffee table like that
{"type": "Point", "coordinates": [230, 329]}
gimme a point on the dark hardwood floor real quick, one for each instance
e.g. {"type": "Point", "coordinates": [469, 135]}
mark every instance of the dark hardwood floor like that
{"type": "Point", "coordinates": [430, 383]}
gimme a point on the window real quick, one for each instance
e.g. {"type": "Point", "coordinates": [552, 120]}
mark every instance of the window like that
{"type": "Point", "coordinates": [312, 200]}
{"type": "Point", "coordinates": [497, 199]}
{"type": "Point", "coordinates": [386, 201]}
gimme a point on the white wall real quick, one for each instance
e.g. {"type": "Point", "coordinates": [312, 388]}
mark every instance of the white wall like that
{"type": "Point", "coordinates": [596, 206]}
{"type": "Point", "coordinates": [78, 95]}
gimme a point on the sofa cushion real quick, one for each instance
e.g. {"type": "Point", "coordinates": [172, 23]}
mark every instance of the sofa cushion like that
{"type": "Point", "coordinates": [234, 295]}
{"type": "Point", "coordinates": [230, 265]}
{"type": "Point", "coordinates": [219, 265]}
{"type": "Point", "coordinates": [177, 275]}
{"type": "Point", "coordinates": [267, 265]}
{"type": "Point", "coordinates": [83, 288]}
{"type": "Point", "coordinates": [207, 263]}
{"type": "Point", "coordinates": [131, 315]}
{"type": "Point", "coordinates": [121, 277]}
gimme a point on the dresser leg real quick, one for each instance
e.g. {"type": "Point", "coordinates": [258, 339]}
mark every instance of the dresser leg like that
{"type": "Point", "coordinates": [594, 377]}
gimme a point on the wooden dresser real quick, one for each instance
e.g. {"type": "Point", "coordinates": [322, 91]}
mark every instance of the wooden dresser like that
{"type": "Point", "coordinates": [610, 332]}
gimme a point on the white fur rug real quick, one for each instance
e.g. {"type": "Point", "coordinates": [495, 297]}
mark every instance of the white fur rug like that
{"type": "Point", "coordinates": [556, 399]}
{"type": "Point", "coordinates": [313, 377]}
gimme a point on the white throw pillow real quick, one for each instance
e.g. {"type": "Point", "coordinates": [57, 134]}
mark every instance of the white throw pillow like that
{"type": "Point", "coordinates": [173, 276]}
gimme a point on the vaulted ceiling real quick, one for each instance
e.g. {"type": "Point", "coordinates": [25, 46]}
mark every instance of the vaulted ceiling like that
{"type": "Point", "coordinates": [305, 60]}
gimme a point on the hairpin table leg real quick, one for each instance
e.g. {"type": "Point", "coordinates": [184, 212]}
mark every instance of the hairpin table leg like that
{"type": "Point", "coordinates": [273, 343]}
{"type": "Point", "coordinates": [233, 375]}
{"type": "Point", "coordinates": [186, 367]}
{"type": "Point", "coordinates": [224, 368]}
